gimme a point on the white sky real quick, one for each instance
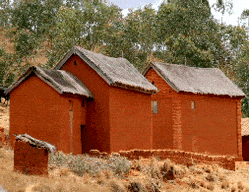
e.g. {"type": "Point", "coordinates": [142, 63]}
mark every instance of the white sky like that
{"type": "Point", "coordinates": [238, 7]}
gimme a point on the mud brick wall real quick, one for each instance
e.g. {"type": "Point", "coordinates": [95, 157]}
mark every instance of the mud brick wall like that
{"type": "Point", "coordinates": [182, 157]}
{"type": "Point", "coordinates": [30, 160]}
{"type": "Point", "coordinates": [179, 157]}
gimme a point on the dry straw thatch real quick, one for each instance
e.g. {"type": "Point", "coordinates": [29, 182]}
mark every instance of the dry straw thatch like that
{"type": "Point", "coordinates": [61, 81]}
{"type": "Point", "coordinates": [117, 72]}
{"type": "Point", "coordinates": [36, 143]}
{"type": "Point", "coordinates": [197, 80]}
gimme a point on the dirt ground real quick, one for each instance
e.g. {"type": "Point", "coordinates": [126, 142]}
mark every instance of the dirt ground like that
{"type": "Point", "coordinates": [4, 117]}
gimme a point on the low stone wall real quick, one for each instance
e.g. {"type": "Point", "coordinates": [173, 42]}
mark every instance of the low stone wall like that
{"type": "Point", "coordinates": [30, 160]}
{"type": "Point", "coordinates": [179, 157]}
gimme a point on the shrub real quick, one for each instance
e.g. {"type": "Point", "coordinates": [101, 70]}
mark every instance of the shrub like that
{"type": "Point", "coordinates": [153, 169]}
{"type": "Point", "coordinates": [171, 171]}
{"type": "Point", "coordinates": [135, 187]}
{"type": "Point", "coordinates": [116, 185]}
{"type": "Point", "coordinates": [81, 164]}
{"type": "Point", "coordinates": [210, 177]}
{"type": "Point", "coordinates": [240, 185]}
{"type": "Point", "coordinates": [225, 184]}
{"type": "Point", "coordinates": [136, 165]}
{"type": "Point", "coordinates": [233, 189]}
{"type": "Point", "coordinates": [210, 186]}
{"type": "Point", "coordinates": [58, 159]}
{"type": "Point", "coordinates": [119, 165]}
{"type": "Point", "coordinates": [193, 183]}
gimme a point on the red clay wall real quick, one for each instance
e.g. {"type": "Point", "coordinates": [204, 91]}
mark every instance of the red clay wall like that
{"type": "Point", "coordinates": [30, 160]}
{"type": "Point", "coordinates": [166, 123]}
{"type": "Point", "coordinates": [214, 126]}
{"type": "Point", "coordinates": [96, 134]}
{"type": "Point", "coordinates": [39, 110]}
{"type": "Point", "coordinates": [130, 120]}
{"type": "Point", "coordinates": [179, 157]}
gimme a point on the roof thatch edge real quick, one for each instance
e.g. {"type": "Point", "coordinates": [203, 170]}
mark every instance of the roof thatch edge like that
{"type": "Point", "coordinates": [35, 142]}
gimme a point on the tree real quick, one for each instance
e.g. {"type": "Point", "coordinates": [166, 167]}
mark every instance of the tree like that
{"type": "Point", "coordinates": [88, 24]}
{"type": "Point", "coordinates": [185, 29]}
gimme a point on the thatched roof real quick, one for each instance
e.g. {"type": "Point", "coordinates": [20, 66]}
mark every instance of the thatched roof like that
{"type": "Point", "coordinates": [36, 143]}
{"type": "Point", "coordinates": [62, 81]}
{"type": "Point", "coordinates": [245, 127]}
{"type": "Point", "coordinates": [117, 72]}
{"type": "Point", "coordinates": [197, 80]}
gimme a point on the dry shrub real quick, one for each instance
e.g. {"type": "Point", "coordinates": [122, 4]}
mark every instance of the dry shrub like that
{"type": "Point", "coordinates": [196, 169]}
{"type": "Point", "coordinates": [81, 164]}
{"type": "Point", "coordinates": [64, 171]}
{"type": "Point", "coordinates": [225, 184]}
{"type": "Point", "coordinates": [100, 178]}
{"type": "Point", "coordinates": [207, 168]}
{"type": "Point", "coordinates": [116, 185]}
{"type": "Point", "coordinates": [210, 177]}
{"type": "Point", "coordinates": [153, 169]}
{"type": "Point", "coordinates": [136, 165]}
{"type": "Point", "coordinates": [119, 165]}
{"type": "Point", "coordinates": [154, 187]}
{"type": "Point", "coordinates": [233, 189]}
{"type": "Point", "coordinates": [210, 186]}
{"type": "Point", "coordinates": [222, 178]}
{"type": "Point", "coordinates": [215, 167]}
{"type": "Point", "coordinates": [203, 184]}
{"type": "Point", "coordinates": [135, 187]}
{"type": "Point", "coordinates": [240, 185]}
{"type": "Point", "coordinates": [171, 171]}
{"type": "Point", "coordinates": [193, 183]}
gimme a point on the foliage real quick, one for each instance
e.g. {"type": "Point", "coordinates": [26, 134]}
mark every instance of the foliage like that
{"type": "Point", "coordinates": [81, 164]}
{"type": "Point", "coordinates": [185, 29]}
{"type": "Point", "coordinates": [180, 32]}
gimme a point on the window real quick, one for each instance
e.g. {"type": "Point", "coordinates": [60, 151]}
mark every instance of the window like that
{"type": "Point", "coordinates": [192, 105]}
{"type": "Point", "coordinates": [154, 107]}
{"type": "Point", "coordinates": [75, 62]}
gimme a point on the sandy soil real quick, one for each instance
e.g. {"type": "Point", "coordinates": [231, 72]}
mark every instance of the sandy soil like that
{"type": "Point", "coordinates": [4, 117]}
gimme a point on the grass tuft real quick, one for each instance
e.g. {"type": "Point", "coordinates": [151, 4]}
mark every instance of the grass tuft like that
{"type": "Point", "coordinates": [171, 171]}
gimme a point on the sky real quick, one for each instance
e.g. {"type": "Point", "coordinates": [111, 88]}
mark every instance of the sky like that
{"type": "Point", "coordinates": [238, 7]}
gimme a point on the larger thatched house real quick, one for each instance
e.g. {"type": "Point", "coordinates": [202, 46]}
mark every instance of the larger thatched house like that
{"type": "Point", "coordinates": [89, 101]}
{"type": "Point", "coordinates": [195, 109]}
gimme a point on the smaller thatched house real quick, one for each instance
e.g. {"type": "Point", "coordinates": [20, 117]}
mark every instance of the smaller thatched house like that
{"type": "Point", "coordinates": [43, 104]}
{"type": "Point", "coordinates": [195, 109]}
{"type": "Point", "coordinates": [31, 155]}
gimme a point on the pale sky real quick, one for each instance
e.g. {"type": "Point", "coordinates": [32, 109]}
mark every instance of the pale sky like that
{"type": "Point", "coordinates": [238, 7]}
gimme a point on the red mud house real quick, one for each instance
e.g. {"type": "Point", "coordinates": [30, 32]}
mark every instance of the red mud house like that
{"type": "Point", "coordinates": [90, 101]}
{"type": "Point", "coordinates": [195, 109]}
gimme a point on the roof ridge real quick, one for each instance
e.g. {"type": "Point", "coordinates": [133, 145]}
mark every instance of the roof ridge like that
{"type": "Point", "coordinates": [181, 65]}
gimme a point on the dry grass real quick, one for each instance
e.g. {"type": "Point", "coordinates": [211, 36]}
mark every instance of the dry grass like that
{"type": "Point", "coordinates": [4, 117]}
